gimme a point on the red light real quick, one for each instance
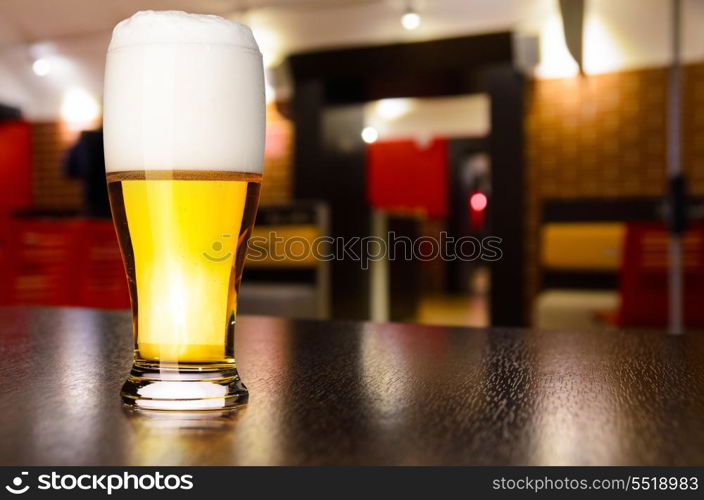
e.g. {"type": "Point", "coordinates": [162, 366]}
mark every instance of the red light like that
{"type": "Point", "coordinates": [478, 202]}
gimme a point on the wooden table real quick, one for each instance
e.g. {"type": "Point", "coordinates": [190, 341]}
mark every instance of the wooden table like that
{"type": "Point", "coordinates": [359, 393]}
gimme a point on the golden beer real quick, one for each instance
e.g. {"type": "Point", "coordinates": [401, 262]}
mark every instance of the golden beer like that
{"type": "Point", "coordinates": [183, 236]}
{"type": "Point", "coordinates": [184, 142]}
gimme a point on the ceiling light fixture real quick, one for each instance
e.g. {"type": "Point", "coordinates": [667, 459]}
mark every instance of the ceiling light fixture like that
{"type": "Point", "coordinates": [80, 109]}
{"type": "Point", "coordinates": [41, 67]}
{"type": "Point", "coordinates": [410, 19]}
{"type": "Point", "coordinates": [369, 135]}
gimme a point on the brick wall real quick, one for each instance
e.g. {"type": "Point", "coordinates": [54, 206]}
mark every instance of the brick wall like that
{"type": "Point", "coordinates": [605, 136]}
{"type": "Point", "coordinates": [277, 185]}
{"type": "Point", "coordinates": [51, 189]}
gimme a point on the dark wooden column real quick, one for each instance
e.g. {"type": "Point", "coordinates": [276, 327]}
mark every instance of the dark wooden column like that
{"type": "Point", "coordinates": [506, 211]}
{"type": "Point", "coordinates": [330, 166]}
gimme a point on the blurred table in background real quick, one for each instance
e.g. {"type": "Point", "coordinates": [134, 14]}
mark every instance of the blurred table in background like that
{"type": "Point", "coordinates": [359, 393]}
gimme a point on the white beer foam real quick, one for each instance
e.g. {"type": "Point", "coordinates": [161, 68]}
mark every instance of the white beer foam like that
{"type": "Point", "coordinates": [171, 26]}
{"type": "Point", "coordinates": [183, 92]}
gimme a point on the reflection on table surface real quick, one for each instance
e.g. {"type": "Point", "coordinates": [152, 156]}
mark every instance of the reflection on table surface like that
{"type": "Point", "coordinates": [359, 393]}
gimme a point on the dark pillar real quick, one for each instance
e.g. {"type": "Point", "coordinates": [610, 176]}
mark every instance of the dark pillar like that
{"type": "Point", "coordinates": [506, 210]}
{"type": "Point", "coordinates": [329, 165]}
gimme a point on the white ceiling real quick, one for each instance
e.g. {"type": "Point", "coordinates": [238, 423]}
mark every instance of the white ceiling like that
{"type": "Point", "coordinates": [291, 25]}
{"type": "Point", "coordinates": [74, 33]}
{"type": "Point", "coordinates": [42, 19]}
{"type": "Point", "coordinates": [298, 23]}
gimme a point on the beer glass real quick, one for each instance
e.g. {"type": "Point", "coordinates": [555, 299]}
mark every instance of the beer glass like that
{"type": "Point", "coordinates": [184, 141]}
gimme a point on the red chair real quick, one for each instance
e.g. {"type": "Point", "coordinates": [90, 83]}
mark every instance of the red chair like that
{"type": "Point", "coordinates": [644, 282]}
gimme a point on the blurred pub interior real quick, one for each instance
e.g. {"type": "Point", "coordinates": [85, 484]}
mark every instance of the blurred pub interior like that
{"type": "Point", "coordinates": [470, 117]}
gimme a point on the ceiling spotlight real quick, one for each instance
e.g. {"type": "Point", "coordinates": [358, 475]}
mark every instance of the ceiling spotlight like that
{"type": "Point", "coordinates": [41, 67]}
{"type": "Point", "coordinates": [79, 108]}
{"type": "Point", "coordinates": [410, 19]}
{"type": "Point", "coordinates": [369, 135]}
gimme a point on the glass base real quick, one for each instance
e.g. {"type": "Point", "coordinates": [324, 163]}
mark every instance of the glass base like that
{"type": "Point", "coordinates": [192, 388]}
